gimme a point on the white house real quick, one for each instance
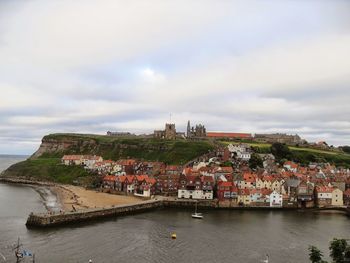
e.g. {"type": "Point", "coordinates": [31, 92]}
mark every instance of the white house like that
{"type": "Point", "coordinates": [240, 151]}
{"type": "Point", "coordinates": [194, 194]}
{"type": "Point", "coordinates": [276, 199]}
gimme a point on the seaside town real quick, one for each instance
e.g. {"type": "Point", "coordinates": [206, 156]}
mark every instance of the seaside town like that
{"type": "Point", "coordinates": [227, 175]}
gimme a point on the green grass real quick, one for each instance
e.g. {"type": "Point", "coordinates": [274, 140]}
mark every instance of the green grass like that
{"type": "Point", "coordinates": [305, 155]}
{"type": "Point", "coordinates": [114, 148]}
{"type": "Point", "coordinates": [47, 169]}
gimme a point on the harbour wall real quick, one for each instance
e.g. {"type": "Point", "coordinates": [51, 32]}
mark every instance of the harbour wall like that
{"type": "Point", "coordinates": [62, 218]}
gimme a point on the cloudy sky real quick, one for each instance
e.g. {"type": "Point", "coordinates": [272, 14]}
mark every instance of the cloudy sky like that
{"type": "Point", "coordinates": [241, 66]}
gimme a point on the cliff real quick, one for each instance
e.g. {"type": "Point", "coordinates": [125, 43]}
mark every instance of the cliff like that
{"type": "Point", "coordinates": [45, 164]}
{"type": "Point", "coordinates": [114, 148]}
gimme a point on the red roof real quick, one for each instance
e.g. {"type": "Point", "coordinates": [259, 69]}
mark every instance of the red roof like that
{"type": "Point", "coordinates": [324, 189]}
{"type": "Point", "coordinates": [150, 181]}
{"type": "Point", "coordinates": [110, 178]}
{"type": "Point", "coordinates": [229, 135]}
{"type": "Point", "coordinates": [225, 184]}
{"type": "Point", "coordinates": [248, 177]}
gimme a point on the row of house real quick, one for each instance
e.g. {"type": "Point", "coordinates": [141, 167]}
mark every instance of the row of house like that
{"type": "Point", "coordinates": [288, 185]}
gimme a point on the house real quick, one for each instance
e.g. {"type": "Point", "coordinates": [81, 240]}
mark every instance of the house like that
{"type": "Point", "coordinates": [208, 187]}
{"type": "Point", "coordinates": [259, 197]}
{"type": "Point", "coordinates": [276, 199]}
{"type": "Point", "coordinates": [167, 184]}
{"type": "Point", "coordinates": [190, 187]}
{"type": "Point", "coordinates": [276, 185]}
{"type": "Point", "coordinates": [305, 195]}
{"type": "Point", "coordinates": [129, 184]}
{"type": "Point", "coordinates": [109, 182]}
{"type": "Point", "coordinates": [248, 181]}
{"type": "Point", "coordinates": [72, 159]}
{"type": "Point", "coordinates": [337, 197]}
{"type": "Point", "coordinates": [291, 166]}
{"type": "Point", "coordinates": [145, 186]}
{"type": "Point", "coordinates": [224, 190]}
{"type": "Point", "coordinates": [346, 197]}
{"type": "Point", "coordinates": [244, 197]}
{"type": "Point", "coordinates": [126, 166]}
{"type": "Point", "coordinates": [323, 196]}
{"type": "Point", "coordinates": [240, 151]}
{"type": "Point", "coordinates": [90, 160]}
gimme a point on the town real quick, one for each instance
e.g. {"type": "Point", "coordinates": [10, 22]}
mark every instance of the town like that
{"type": "Point", "coordinates": [224, 175]}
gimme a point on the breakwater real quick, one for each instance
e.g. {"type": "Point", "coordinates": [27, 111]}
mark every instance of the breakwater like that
{"type": "Point", "coordinates": [62, 218]}
{"type": "Point", "coordinates": [54, 219]}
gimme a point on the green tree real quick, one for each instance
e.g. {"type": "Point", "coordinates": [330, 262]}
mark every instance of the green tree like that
{"type": "Point", "coordinates": [315, 254]}
{"type": "Point", "coordinates": [337, 249]}
{"type": "Point", "coordinates": [280, 151]}
{"type": "Point", "coordinates": [255, 161]}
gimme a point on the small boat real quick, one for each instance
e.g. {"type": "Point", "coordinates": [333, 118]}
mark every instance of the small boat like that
{"type": "Point", "coordinates": [266, 260]}
{"type": "Point", "coordinates": [173, 235]}
{"type": "Point", "coordinates": [197, 215]}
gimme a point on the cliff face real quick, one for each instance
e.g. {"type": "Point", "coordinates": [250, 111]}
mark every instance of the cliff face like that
{"type": "Point", "coordinates": [175, 151]}
{"type": "Point", "coordinates": [60, 146]}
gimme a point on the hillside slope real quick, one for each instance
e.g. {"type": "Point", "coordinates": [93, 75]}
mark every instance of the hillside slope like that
{"type": "Point", "coordinates": [44, 164]}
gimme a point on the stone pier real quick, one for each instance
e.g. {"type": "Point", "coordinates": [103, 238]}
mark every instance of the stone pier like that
{"type": "Point", "coordinates": [49, 219]}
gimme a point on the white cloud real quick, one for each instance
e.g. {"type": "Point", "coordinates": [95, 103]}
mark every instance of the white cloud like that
{"type": "Point", "coordinates": [92, 66]}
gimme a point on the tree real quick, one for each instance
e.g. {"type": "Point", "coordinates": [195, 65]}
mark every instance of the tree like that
{"type": "Point", "coordinates": [345, 149]}
{"type": "Point", "coordinates": [280, 151]}
{"type": "Point", "coordinates": [255, 161]}
{"type": "Point", "coordinates": [338, 248]}
{"type": "Point", "coordinates": [315, 255]}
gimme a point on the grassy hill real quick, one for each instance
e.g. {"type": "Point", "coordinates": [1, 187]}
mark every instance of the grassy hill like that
{"type": "Point", "coordinates": [305, 155]}
{"type": "Point", "coordinates": [114, 148]}
{"type": "Point", "coordinates": [45, 163]}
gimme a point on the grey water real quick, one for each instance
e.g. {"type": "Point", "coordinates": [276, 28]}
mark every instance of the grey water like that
{"type": "Point", "coordinates": [222, 236]}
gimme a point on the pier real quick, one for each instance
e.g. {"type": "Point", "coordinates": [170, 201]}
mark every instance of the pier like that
{"type": "Point", "coordinates": [61, 218]}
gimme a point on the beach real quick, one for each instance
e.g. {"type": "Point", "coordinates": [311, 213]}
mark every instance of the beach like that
{"type": "Point", "coordinates": [70, 196]}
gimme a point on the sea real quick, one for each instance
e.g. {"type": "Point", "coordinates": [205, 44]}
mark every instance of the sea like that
{"type": "Point", "coordinates": [222, 236]}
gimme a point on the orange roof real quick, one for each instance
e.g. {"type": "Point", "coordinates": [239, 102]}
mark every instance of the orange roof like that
{"type": "Point", "coordinates": [324, 189]}
{"type": "Point", "coordinates": [122, 178]}
{"type": "Point", "coordinates": [151, 181]}
{"type": "Point", "coordinates": [225, 184]}
{"type": "Point", "coordinates": [110, 178]}
{"type": "Point", "coordinates": [141, 177]}
{"type": "Point", "coordinates": [229, 135]}
{"type": "Point", "coordinates": [248, 177]}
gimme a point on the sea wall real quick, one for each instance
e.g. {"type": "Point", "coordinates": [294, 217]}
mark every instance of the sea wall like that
{"type": "Point", "coordinates": [53, 219]}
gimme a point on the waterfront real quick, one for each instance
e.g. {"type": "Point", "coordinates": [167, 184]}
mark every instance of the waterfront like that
{"type": "Point", "coordinates": [223, 236]}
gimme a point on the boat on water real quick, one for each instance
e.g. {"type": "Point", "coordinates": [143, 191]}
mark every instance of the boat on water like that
{"type": "Point", "coordinates": [266, 260]}
{"type": "Point", "coordinates": [197, 215]}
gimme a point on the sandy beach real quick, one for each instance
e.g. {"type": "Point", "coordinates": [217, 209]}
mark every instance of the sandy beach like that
{"type": "Point", "coordinates": [81, 198]}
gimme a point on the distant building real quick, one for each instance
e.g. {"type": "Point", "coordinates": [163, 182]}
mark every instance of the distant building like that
{"type": "Point", "coordinates": [119, 134]}
{"type": "Point", "coordinates": [169, 133]}
{"type": "Point", "coordinates": [279, 137]}
{"type": "Point", "coordinates": [195, 132]}
{"type": "Point", "coordinates": [229, 135]}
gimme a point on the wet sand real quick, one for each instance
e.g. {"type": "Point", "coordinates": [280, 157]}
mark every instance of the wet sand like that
{"type": "Point", "coordinates": [81, 198]}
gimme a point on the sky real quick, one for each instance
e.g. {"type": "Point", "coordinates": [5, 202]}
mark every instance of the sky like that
{"type": "Point", "coordinates": [90, 66]}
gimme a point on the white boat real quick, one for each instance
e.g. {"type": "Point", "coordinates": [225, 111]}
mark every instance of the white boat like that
{"type": "Point", "coordinates": [197, 215]}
